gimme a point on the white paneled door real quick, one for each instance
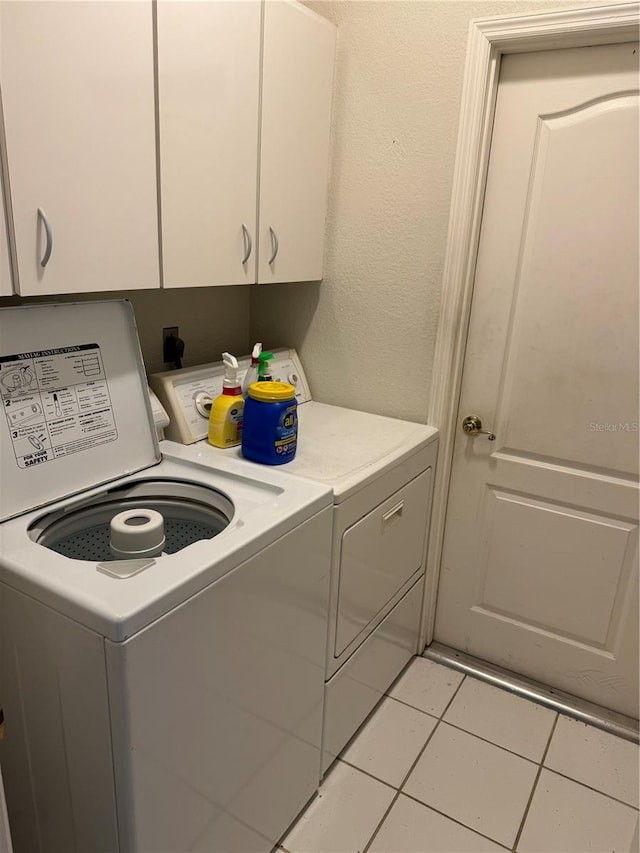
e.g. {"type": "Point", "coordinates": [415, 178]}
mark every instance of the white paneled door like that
{"type": "Point", "coordinates": [539, 571]}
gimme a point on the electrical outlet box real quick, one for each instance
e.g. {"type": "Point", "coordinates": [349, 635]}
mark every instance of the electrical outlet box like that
{"type": "Point", "coordinates": [169, 337]}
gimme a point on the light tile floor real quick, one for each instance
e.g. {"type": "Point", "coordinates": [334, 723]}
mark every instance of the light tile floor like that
{"type": "Point", "coordinates": [450, 764]}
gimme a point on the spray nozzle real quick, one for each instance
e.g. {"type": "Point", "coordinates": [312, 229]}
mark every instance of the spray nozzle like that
{"type": "Point", "coordinates": [263, 364]}
{"type": "Point", "coordinates": [255, 355]}
{"type": "Point", "coordinates": [230, 370]}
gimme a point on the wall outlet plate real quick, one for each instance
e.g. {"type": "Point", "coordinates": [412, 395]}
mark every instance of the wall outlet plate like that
{"type": "Point", "coordinates": [168, 345]}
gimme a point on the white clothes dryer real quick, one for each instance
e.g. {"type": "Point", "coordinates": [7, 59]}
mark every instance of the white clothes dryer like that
{"type": "Point", "coordinates": [380, 471]}
{"type": "Point", "coordinates": [163, 622]}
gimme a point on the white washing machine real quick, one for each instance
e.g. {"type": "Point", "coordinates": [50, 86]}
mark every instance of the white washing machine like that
{"type": "Point", "coordinates": [170, 699]}
{"type": "Point", "coordinates": [380, 471]}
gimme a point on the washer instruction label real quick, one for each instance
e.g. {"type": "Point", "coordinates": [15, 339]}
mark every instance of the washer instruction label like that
{"type": "Point", "coordinates": [56, 402]}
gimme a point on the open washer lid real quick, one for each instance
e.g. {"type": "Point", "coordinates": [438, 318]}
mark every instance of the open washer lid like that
{"type": "Point", "coordinates": [76, 411]}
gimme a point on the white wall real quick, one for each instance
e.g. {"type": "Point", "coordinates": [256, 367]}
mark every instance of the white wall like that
{"type": "Point", "coordinates": [366, 334]}
{"type": "Point", "coordinates": [210, 320]}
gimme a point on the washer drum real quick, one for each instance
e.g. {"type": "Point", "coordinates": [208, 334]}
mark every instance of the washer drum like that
{"type": "Point", "coordinates": [142, 519]}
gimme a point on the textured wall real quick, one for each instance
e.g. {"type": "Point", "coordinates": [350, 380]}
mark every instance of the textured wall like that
{"type": "Point", "coordinates": [210, 319]}
{"type": "Point", "coordinates": [366, 334]}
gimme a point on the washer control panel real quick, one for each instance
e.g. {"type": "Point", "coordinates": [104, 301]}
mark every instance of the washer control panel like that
{"type": "Point", "coordinates": [187, 394]}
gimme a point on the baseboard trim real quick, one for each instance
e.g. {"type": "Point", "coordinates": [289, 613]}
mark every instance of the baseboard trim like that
{"type": "Point", "coordinates": [565, 703]}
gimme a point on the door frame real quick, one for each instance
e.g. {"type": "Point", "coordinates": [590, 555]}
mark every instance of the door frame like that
{"type": "Point", "coordinates": [488, 40]}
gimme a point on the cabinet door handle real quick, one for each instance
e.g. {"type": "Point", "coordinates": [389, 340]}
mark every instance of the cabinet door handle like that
{"type": "Point", "coordinates": [247, 242]}
{"type": "Point", "coordinates": [42, 216]}
{"type": "Point", "coordinates": [274, 245]}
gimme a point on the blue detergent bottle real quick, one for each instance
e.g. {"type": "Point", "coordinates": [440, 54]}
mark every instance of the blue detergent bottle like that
{"type": "Point", "coordinates": [270, 430]}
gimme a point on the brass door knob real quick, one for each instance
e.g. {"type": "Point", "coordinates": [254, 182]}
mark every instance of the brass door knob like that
{"type": "Point", "coordinates": [472, 425]}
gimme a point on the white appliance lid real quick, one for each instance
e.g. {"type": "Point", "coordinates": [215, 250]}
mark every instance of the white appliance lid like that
{"type": "Point", "coordinates": [344, 448]}
{"type": "Point", "coordinates": [76, 412]}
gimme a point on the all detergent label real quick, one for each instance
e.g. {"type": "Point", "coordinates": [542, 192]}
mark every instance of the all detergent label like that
{"type": "Point", "coordinates": [287, 432]}
{"type": "Point", "coordinates": [270, 430]}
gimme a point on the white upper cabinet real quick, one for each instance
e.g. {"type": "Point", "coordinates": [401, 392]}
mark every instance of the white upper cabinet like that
{"type": "Point", "coordinates": [244, 94]}
{"type": "Point", "coordinates": [78, 96]}
{"type": "Point", "coordinates": [243, 169]}
{"type": "Point", "coordinates": [6, 287]}
{"type": "Point", "coordinates": [209, 89]}
{"type": "Point", "coordinates": [297, 85]}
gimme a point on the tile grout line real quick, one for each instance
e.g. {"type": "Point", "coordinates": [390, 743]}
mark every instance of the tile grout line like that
{"type": "Point", "coordinates": [461, 728]}
{"type": "Point", "coordinates": [367, 773]}
{"type": "Point", "coordinates": [375, 711]}
{"type": "Point", "coordinates": [535, 785]}
{"type": "Point", "coordinates": [407, 705]}
{"type": "Point", "coordinates": [380, 822]}
{"type": "Point", "coordinates": [427, 805]}
{"type": "Point", "coordinates": [369, 717]}
{"type": "Point", "coordinates": [455, 820]}
{"type": "Point", "coordinates": [410, 771]}
{"type": "Point", "coordinates": [490, 742]}
{"type": "Point", "coordinates": [451, 669]}
{"type": "Point", "coordinates": [532, 760]}
{"type": "Point", "coordinates": [590, 788]}
{"type": "Point", "coordinates": [418, 757]}
{"type": "Point", "coordinates": [421, 802]}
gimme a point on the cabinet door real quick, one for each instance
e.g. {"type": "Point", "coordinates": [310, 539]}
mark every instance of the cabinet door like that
{"type": "Point", "coordinates": [298, 60]}
{"type": "Point", "coordinates": [6, 284]}
{"type": "Point", "coordinates": [208, 78]}
{"type": "Point", "coordinates": [78, 93]}
{"type": "Point", "coordinates": [6, 288]}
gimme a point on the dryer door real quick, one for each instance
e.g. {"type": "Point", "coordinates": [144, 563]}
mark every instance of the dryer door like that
{"type": "Point", "coordinates": [379, 554]}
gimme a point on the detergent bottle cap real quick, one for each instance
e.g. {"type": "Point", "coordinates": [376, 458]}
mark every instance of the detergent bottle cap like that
{"type": "Point", "coordinates": [263, 366]}
{"type": "Point", "coordinates": [230, 371]}
{"type": "Point", "coordinates": [255, 355]}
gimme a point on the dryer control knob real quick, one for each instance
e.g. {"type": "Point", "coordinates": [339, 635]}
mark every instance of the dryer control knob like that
{"type": "Point", "coordinates": [203, 403]}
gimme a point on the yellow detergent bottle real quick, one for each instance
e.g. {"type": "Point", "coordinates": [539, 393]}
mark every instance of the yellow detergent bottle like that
{"type": "Point", "coordinates": [227, 411]}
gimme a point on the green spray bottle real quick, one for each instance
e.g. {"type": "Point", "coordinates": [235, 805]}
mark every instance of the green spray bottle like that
{"type": "Point", "coordinates": [264, 369]}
